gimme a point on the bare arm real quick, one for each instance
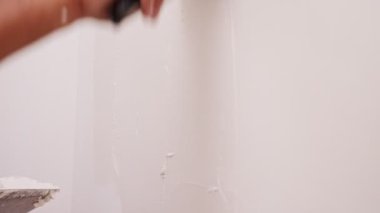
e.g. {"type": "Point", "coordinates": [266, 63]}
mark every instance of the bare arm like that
{"type": "Point", "coordinates": [24, 21]}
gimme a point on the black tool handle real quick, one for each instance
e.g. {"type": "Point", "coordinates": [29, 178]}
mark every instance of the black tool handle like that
{"type": "Point", "coordinates": [123, 8]}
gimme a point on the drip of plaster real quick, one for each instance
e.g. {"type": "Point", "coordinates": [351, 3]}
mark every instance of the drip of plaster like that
{"type": "Point", "coordinates": [164, 173]}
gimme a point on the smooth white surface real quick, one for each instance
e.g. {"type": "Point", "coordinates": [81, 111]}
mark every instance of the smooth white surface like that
{"type": "Point", "coordinates": [309, 106]}
{"type": "Point", "coordinates": [268, 106]}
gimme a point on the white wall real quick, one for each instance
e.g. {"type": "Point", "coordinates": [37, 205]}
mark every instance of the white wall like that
{"type": "Point", "coordinates": [38, 90]}
{"type": "Point", "coordinates": [269, 106]}
{"type": "Point", "coordinates": [308, 106]}
{"type": "Point", "coordinates": [159, 89]}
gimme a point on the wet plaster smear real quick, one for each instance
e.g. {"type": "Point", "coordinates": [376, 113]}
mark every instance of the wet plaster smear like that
{"type": "Point", "coordinates": [218, 109]}
{"type": "Point", "coordinates": [19, 188]}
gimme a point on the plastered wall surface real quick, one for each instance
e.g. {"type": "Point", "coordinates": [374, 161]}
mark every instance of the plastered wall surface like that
{"type": "Point", "coordinates": [38, 90]}
{"type": "Point", "coordinates": [164, 116]}
{"type": "Point", "coordinates": [308, 106]}
{"type": "Point", "coordinates": [222, 106]}
{"type": "Point", "coordinates": [268, 107]}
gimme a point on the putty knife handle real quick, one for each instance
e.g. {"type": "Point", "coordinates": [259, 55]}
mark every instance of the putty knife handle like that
{"type": "Point", "coordinates": [123, 8]}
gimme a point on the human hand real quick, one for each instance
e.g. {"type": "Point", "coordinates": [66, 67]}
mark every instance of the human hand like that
{"type": "Point", "coordinates": [151, 8]}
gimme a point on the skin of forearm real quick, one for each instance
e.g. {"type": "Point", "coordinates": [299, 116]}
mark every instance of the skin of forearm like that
{"type": "Point", "coordinates": [25, 21]}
